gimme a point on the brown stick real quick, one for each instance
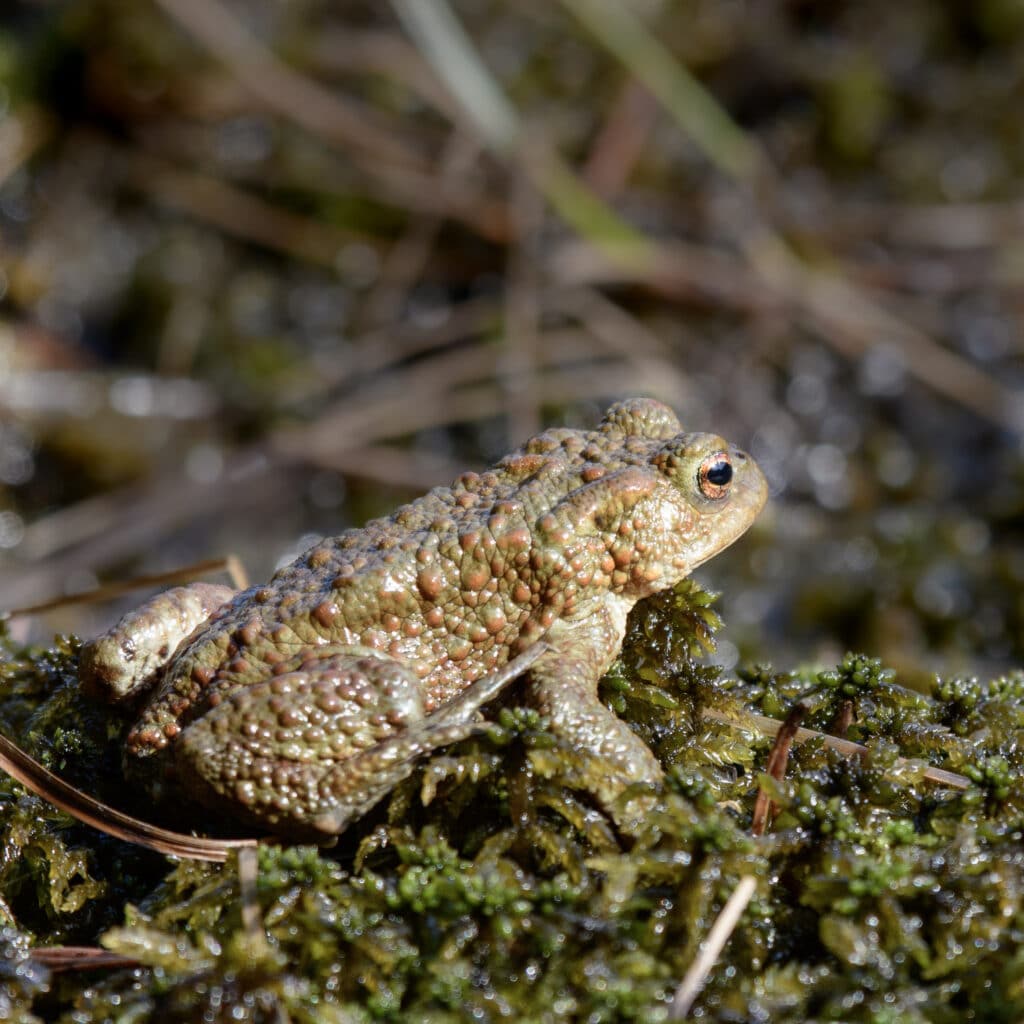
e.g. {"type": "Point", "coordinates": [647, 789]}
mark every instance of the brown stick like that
{"type": "Point", "coordinates": [776, 767]}
{"type": "Point", "coordinates": [31, 774]}
{"type": "Point", "coordinates": [281, 88]}
{"type": "Point", "coordinates": [80, 958]}
{"type": "Point", "coordinates": [621, 140]}
{"type": "Point", "coordinates": [711, 948]}
{"type": "Point", "coordinates": [230, 565]}
{"type": "Point", "coordinates": [771, 726]}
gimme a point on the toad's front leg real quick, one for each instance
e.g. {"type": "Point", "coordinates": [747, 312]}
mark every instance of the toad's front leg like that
{"type": "Point", "coordinates": [563, 687]}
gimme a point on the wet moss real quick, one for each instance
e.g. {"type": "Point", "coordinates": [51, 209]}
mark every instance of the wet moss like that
{"type": "Point", "coordinates": [21, 981]}
{"type": "Point", "coordinates": [489, 885]}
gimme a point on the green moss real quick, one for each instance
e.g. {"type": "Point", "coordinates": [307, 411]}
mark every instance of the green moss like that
{"type": "Point", "coordinates": [21, 981]}
{"type": "Point", "coordinates": [489, 885]}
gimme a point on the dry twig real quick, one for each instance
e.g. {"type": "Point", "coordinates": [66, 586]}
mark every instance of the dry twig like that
{"type": "Point", "coordinates": [31, 774]}
{"type": "Point", "coordinates": [230, 565]}
{"type": "Point", "coordinates": [778, 756]}
{"type": "Point", "coordinates": [80, 958]}
{"type": "Point", "coordinates": [280, 87]}
{"type": "Point", "coordinates": [621, 141]}
{"type": "Point", "coordinates": [711, 948]}
{"type": "Point", "coordinates": [770, 727]}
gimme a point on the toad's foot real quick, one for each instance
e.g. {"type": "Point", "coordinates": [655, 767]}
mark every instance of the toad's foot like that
{"type": "Point", "coordinates": [564, 689]}
{"type": "Point", "coordinates": [129, 658]}
{"type": "Point", "coordinates": [308, 752]}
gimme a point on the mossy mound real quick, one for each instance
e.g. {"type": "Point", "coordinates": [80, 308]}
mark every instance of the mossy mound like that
{"type": "Point", "coordinates": [490, 887]}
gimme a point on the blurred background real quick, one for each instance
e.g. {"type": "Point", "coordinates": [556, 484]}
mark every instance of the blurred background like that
{"type": "Point", "coordinates": [268, 269]}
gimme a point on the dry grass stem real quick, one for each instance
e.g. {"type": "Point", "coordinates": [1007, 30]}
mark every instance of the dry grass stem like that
{"type": "Point", "coordinates": [845, 317]}
{"type": "Point", "coordinates": [281, 88]}
{"type": "Point", "coordinates": [143, 514]}
{"type": "Point", "coordinates": [244, 216]}
{"type": "Point", "coordinates": [198, 570]}
{"type": "Point", "coordinates": [384, 464]}
{"type": "Point", "coordinates": [521, 339]}
{"type": "Point", "coordinates": [770, 727]}
{"type": "Point", "coordinates": [387, 412]}
{"type": "Point", "coordinates": [711, 948]}
{"type": "Point", "coordinates": [80, 958]}
{"type": "Point", "coordinates": [371, 51]}
{"type": "Point", "coordinates": [627, 336]}
{"type": "Point", "coordinates": [31, 774]}
{"type": "Point", "coordinates": [851, 322]}
{"type": "Point", "coordinates": [778, 757]}
{"type": "Point", "coordinates": [450, 52]}
{"type": "Point", "coordinates": [621, 31]}
{"type": "Point", "coordinates": [622, 140]}
{"type": "Point", "coordinates": [406, 260]}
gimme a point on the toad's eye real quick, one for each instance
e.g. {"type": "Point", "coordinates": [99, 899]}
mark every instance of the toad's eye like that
{"type": "Point", "coordinates": [714, 476]}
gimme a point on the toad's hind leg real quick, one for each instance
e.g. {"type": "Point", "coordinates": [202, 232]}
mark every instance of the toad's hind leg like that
{"type": "Point", "coordinates": [308, 752]}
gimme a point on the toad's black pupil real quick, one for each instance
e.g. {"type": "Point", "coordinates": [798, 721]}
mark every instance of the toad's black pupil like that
{"type": "Point", "coordinates": [720, 474]}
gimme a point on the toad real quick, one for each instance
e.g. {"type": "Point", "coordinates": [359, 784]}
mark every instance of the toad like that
{"type": "Point", "coordinates": [296, 705]}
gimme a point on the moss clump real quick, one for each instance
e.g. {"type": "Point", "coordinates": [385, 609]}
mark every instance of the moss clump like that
{"type": "Point", "coordinates": [490, 887]}
{"type": "Point", "coordinates": [21, 981]}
